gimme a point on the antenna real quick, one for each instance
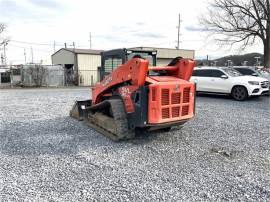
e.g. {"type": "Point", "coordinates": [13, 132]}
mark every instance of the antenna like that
{"type": "Point", "coordinates": [90, 40]}
{"type": "Point", "coordinates": [24, 57]}
{"type": "Point", "coordinates": [32, 55]}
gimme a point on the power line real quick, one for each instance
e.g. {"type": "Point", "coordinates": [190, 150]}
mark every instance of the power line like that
{"type": "Point", "coordinates": [32, 43]}
{"type": "Point", "coordinates": [23, 47]}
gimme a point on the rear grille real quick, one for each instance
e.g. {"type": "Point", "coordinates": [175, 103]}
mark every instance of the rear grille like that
{"type": "Point", "coordinates": [165, 113]}
{"type": "Point", "coordinates": [186, 95]}
{"type": "Point", "coordinates": [185, 110]}
{"type": "Point", "coordinates": [175, 112]}
{"type": "Point", "coordinates": [265, 84]}
{"type": "Point", "coordinates": [153, 94]}
{"type": "Point", "coordinates": [176, 98]}
{"type": "Point", "coordinates": [165, 97]}
{"type": "Point", "coordinates": [169, 103]}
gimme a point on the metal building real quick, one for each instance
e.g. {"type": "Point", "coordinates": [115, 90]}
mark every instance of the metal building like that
{"type": "Point", "coordinates": [80, 65]}
{"type": "Point", "coordinates": [165, 55]}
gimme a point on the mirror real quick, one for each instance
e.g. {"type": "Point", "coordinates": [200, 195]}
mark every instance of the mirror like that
{"type": "Point", "coordinates": [255, 74]}
{"type": "Point", "coordinates": [224, 76]}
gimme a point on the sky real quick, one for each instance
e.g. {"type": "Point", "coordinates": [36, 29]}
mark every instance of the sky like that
{"type": "Point", "coordinates": [39, 24]}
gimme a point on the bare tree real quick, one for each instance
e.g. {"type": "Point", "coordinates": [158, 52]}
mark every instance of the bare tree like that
{"type": "Point", "coordinates": [37, 74]}
{"type": "Point", "coordinates": [2, 29]}
{"type": "Point", "coordinates": [240, 21]}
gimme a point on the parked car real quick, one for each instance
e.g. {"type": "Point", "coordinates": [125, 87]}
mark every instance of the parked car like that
{"type": "Point", "coordinates": [251, 71]}
{"type": "Point", "coordinates": [264, 73]}
{"type": "Point", "coordinates": [224, 80]}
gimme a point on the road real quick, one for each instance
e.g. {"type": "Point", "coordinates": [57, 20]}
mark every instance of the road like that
{"type": "Point", "coordinates": [222, 154]}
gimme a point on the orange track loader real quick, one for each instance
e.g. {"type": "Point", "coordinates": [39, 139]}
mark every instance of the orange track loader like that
{"type": "Point", "coordinates": [134, 95]}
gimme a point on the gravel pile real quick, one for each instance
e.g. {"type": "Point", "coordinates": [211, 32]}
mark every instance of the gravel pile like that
{"type": "Point", "coordinates": [222, 154]}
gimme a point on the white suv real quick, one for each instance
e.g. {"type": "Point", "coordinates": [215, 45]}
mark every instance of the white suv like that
{"type": "Point", "coordinates": [225, 80]}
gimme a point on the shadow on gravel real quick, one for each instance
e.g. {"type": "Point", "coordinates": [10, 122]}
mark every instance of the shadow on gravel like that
{"type": "Point", "coordinates": [62, 136]}
{"type": "Point", "coordinates": [227, 97]}
{"type": "Point", "coordinates": [146, 137]}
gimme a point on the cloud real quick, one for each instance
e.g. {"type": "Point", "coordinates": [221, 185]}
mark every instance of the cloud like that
{"type": "Point", "coordinates": [47, 3]}
{"type": "Point", "coordinates": [140, 23]}
{"type": "Point", "coordinates": [8, 8]}
{"type": "Point", "coordinates": [28, 11]}
{"type": "Point", "coordinates": [195, 29]}
{"type": "Point", "coordinates": [149, 35]}
{"type": "Point", "coordinates": [111, 38]}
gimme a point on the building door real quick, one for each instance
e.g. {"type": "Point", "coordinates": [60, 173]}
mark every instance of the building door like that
{"type": "Point", "coordinates": [69, 75]}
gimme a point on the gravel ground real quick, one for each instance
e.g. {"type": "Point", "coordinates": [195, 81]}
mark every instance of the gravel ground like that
{"type": "Point", "coordinates": [222, 154]}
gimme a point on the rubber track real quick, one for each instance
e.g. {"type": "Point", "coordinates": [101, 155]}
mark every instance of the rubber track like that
{"type": "Point", "coordinates": [120, 122]}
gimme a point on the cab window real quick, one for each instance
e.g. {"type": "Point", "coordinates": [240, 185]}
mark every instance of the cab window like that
{"type": "Point", "coordinates": [147, 56]}
{"type": "Point", "coordinates": [111, 64]}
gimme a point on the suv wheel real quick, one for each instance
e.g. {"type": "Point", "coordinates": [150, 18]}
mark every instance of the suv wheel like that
{"type": "Point", "coordinates": [239, 93]}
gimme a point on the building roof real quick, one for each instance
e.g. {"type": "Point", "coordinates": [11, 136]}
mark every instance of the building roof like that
{"type": "Point", "coordinates": [84, 51]}
{"type": "Point", "coordinates": [157, 48]}
{"type": "Point", "coordinates": [81, 51]}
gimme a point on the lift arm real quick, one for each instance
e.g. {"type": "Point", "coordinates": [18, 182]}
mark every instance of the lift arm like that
{"type": "Point", "coordinates": [134, 71]}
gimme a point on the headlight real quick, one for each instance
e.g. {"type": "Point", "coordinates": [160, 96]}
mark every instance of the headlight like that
{"type": "Point", "coordinates": [254, 83]}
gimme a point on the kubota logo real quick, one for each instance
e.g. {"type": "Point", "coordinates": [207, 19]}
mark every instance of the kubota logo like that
{"type": "Point", "coordinates": [176, 88]}
{"type": "Point", "coordinates": [107, 80]}
{"type": "Point", "coordinates": [125, 92]}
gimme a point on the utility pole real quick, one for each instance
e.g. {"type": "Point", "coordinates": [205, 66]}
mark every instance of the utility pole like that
{"type": "Point", "coordinates": [32, 55]}
{"type": "Point", "coordinates": [178, 35]}
{"type": "Point", "coordinates": [2, 59]}
{"type": "Point", "coordinates": [54, 46]}
{"type": "Point", "coordinates": [257, 60]}
{"type": "Point", "coordinates": [90, 40]}
{"type": "Point", "coordinates": [73, 44]}
{"type": "Point", "coordinates": [229, 63]}
{"type": "Point", "coordinates": [5, 56]}
{"type": "Point", "coordinates": [24, 57]}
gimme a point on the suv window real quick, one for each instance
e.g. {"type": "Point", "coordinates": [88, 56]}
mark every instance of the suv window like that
{"type": "Point", "coordinates": [245, 71]}
{"type": "Point", "coordinates": [201, 73]}
{"type": "Point", "coordinates": [216, 73]}
{"type": "Point", "coordinates": [207, 73]}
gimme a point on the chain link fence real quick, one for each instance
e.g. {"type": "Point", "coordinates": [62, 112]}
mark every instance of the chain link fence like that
{"type": "Point", "coordinates": [47, 76]}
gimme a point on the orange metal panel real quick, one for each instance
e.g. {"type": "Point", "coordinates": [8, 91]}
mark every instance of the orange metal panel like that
{"type": "Point", "coordinates": [170, 101]}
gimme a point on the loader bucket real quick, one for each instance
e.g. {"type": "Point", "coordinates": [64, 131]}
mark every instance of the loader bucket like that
{"type": "Point", "coordinates": [79, 110]}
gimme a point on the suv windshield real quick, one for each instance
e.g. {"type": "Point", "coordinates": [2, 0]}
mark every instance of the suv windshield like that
{"type": "Point", "coordinates": [246, 71]}
{"type": "Point", "coordinates": [232, 72]}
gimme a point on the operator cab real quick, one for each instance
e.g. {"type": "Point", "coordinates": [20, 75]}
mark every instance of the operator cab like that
{"type": "Point", "coordinates": [110, 60]}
